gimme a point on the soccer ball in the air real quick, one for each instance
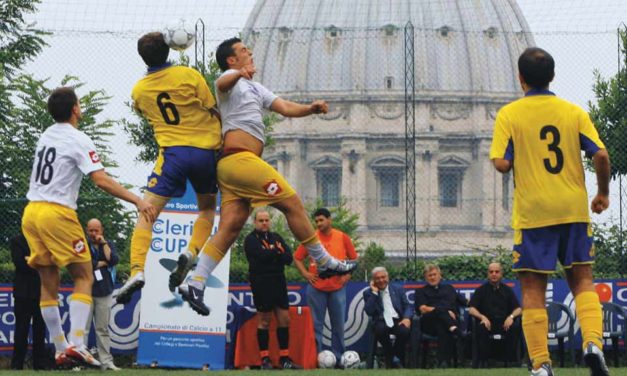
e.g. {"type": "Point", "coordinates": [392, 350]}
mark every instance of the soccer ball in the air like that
{"type": "Point", "coordinates": [326, 359]}
{"type": "Point", "coordinates": [178, 36]}
{"type": "Point", "coordinates": [350, 359]}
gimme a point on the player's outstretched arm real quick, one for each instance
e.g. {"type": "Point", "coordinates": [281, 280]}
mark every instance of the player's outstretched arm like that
{"type": "Point", "coordinates": [226, 82]}
{"type": "Point", "coordinates": [601, 161]}
{"type": "Point", "coordinates": [502, 165]}
{"type": "Point", "coordinates": [293, 109]}
{"type": "Point", "coordinates": [107, 184]}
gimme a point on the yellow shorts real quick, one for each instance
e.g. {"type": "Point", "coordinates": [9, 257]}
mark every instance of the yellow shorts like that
{"type": "Point", "coordinates": [245, 176]}
{"type": "Point", "coordinates": [54, 235]}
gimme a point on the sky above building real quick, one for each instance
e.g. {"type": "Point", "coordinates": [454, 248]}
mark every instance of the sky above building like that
{"type": "Point", "coordinates": [95, 40]}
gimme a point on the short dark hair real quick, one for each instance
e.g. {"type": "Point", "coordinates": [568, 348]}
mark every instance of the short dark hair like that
{"type": "Point", "coordinates": [322, 211]}
{"type": "Point", "coordinates": [224, 50]}
{"type": "Point", "coordinates": [61, 102]}
{"type": "Point", "coordinates": [153, 49]}
{"type": "Point", "coordinates": [537, 67]}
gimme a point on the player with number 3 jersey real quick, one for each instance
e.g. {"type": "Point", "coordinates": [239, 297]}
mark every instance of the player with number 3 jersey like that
{"type": "Point", "coordinates": [541, 137]}
{"type": "Point", "coordinates": [179, 106]}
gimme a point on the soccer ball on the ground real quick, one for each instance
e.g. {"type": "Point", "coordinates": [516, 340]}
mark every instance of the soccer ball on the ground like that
{"type": "Point", "coordinates": [326, 359]}
{"type": "Point", "coordinates": [178, 36]}
{"type": "Point", "coordinates": [350, 359]}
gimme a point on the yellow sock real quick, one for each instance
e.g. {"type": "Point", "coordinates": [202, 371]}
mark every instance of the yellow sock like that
{"type": "Point", "coordinates": [535, 323]}
{"type": "Point", "coordinates": [140, 244]}
{"type": "Point", "coordinates": [213, 252]}
{"type": "Point", "coordinates": [87, 299]}
{"type": "Point", "coordinates": [311, 241]}
{"type": "Point", "coordinates": [200, 234]}
{"type": "Point", "coordinates": [590, 318]}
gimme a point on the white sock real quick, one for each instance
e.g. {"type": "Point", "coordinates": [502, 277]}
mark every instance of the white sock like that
{"type": "Point", "coordinates": [79, 313]}
{"type": "Point", "coordinates": [206, 265]}
{"type": "Point", "coordinates": [52, 318]}
{"type": "Point", "coordinates": [322, 257]}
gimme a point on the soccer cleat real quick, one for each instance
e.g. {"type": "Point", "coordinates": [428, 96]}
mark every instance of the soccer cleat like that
{"type": "Point", "coordinates": [266, 363]}
{"type": "Point", "coordinates": [593, 356]}
{"type": "Point", "coordinates": [195, 298]}
{"type": "Point", "coordinates": [287, 363]}
{"type": "Point", "coordinates": [62, 361]}
{"type": "Point", "coordinates": [82, 355]}
{"type": "Point", "coordinates": [110, 367]}
{"type": "Point", "coordinates": [342, 268]}
{"type": "Point", "coordinates": [183, 266]}
{"type": "Point", "coordinates": [544, 370]}
{"type": "Point", "coordinates": [125, 293]}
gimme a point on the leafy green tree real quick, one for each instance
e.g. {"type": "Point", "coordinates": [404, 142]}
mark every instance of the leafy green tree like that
{"type": "Point", "coordinates": [24, 116]}
{"type": "Point", "coordinates": [609, 113]}
{"type": "Point", "coordinates": [19, 41]}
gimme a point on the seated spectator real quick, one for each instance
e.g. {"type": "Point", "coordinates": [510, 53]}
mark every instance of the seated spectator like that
{"type": "Point", "coordinates": [391, 313]}
{"type": "Point", "coordinates": [438, 304]}
{"type": "Point", "coordinates": [495, 305]}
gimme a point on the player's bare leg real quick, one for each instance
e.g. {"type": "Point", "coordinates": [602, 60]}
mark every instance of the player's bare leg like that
{"type": "Point", "coordinates": [301, 227]}
{"type": "Point", "coordinates": [140, 245]}
{"type": "Point", "coordinates": [233, 216]}
{"type": "Point", "coordinates": [200, 234]}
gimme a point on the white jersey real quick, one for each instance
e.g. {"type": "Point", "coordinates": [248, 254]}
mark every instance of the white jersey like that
{"type": "Point", "coordinates": [63, 155]}
{"type": "Point", "coordinates": [242, 107]}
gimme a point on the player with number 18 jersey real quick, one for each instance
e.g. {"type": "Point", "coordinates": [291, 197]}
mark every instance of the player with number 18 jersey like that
{"type": "Point", "coordinates": [50, 224]}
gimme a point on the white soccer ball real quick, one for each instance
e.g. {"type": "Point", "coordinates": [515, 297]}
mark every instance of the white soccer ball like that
{"type": "Point", "coordinates": [350, 359]}
{"type": "Point", "coordinates": [326, 359]}
{"type": "Point", "coordinates": [179, 36]}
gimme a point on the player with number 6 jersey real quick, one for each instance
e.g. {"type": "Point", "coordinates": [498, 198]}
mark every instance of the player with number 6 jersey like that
{"type": "Point", "coordinates": [50, 224]}
{"type": "Point", "coordinates": [179, 106]}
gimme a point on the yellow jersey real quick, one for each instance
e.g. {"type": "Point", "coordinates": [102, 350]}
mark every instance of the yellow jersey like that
{"type": "Point", "coordinates": [176, 101]}
{"type": "Point", "coordinates": [543, 135]}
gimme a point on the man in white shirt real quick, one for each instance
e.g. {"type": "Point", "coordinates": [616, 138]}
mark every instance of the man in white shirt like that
{"type": "Point", "coordinates": [246, 180]}
{"type": "Point", "coordinates": [391, 313]}
{"type": "Point", "coordinates": [50, 224]}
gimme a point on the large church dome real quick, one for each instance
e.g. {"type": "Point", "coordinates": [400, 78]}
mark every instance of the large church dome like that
{"type": "Point", "coordinates": [354, 49]}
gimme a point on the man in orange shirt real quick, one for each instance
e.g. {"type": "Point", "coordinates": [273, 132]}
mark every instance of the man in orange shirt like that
{"type": "Point", "coordinates": [323, 294]}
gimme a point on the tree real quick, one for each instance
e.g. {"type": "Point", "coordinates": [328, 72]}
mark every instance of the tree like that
{"type": "Point", "coordinates": [609, 113]}
{"type": "Point", "coordinates": [23, 117]}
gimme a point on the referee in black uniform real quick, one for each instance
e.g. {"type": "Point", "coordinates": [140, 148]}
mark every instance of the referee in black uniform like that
{"type": "Point", "coordinates": [267, 255]}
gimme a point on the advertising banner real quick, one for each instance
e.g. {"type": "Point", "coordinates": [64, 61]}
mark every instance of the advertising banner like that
{"type": "Point", "coordinates": [178, 320]}
{"type": "Point", "coordinates": [171, 334]}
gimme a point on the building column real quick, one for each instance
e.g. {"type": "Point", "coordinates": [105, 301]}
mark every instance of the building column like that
{"type": "Point", "coordinates": [354, 177]}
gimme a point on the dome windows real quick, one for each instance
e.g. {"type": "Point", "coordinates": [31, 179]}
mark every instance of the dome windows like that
{"type": "Point", "coordinates": [389, 30]}
{"type": "Point", "coordinates": [332, 32]}
{"type": "Point", "coordinates": [285, 34]}
{"type": "Point", "coordinates": [444, 31]}
{"type": "Point", "coordinates": [490, 32]}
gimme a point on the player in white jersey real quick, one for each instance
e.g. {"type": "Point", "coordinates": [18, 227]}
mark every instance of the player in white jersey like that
{"type": "Point", "coordinates": [50, 224]}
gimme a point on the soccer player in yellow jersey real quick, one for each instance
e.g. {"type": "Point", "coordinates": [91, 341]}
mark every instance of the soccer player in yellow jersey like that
{"type": "Point", "coordinates": [178, 104]}
{"type": "Point", "coordinates": [244, 178]}
{"type": "Point", "coordinates": [540, 137]}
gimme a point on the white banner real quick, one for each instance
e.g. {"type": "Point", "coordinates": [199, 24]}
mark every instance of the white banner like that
{"type": "Point", "coordinates": [171, 334]}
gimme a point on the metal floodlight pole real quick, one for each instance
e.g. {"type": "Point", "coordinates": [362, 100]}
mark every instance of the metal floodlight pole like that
{"type": "Point", "coordinates": [410, 145]}
{"type": "Point", "coordinates": [199, 47]}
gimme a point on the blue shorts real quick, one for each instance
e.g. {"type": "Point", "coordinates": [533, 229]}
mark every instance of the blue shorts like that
{"type": "Point", "coordinates": [177, 164]}
{"type": "Point", "coordinates": [538, 249]}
